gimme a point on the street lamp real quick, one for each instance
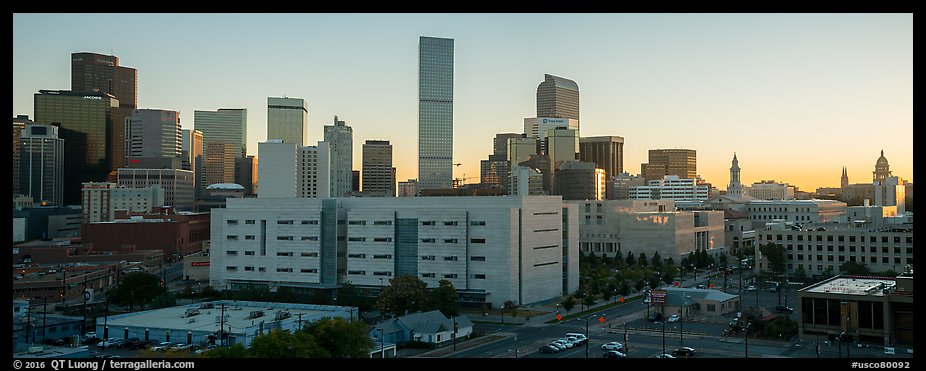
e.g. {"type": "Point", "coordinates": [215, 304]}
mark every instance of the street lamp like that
{"type": "Point", "coordinates": [663, 336]}
{"type": "Point", "coordinates": [746, 331]}
{"type": "Point", "coordinates": [382, 346]}
{"type": "Point", "coordinates": [587, 339]}
{"type": "Point", "coordinates": [681, 321]}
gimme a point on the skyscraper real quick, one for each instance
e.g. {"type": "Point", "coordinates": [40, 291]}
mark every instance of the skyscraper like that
{"type": "Point", "coordinates": [19, 124]}
{"type": "Point", "coordinates": [435, 113]}
{"type": "Point", "coordinates": [86, 125]}
{"type": "Point", "coordinates": [606, 151]}
{"type": "Point", "coordinates": [153, 133]}
{"type": "Point", "coordinates": [191, 156]}
{"type": "Point", "coordinates": [102, 73]}
{"type": "Point", "coordinates": [287, 119]}
{"type": "Point", "coordinates": [218, 164]}
{"type": "Point", "coordinates": [340, 139]}
{"type": "Point", "coordinates": [246, 174]}
{"type": "Point", "coordinates": [377, 168]}
{"type": "Point", "coordinates": [679, 162]}
{"type": "Point", "coordinates": [225, 125]}
{"type": "Point", "coordinates": [41, 164]}
{"type": "Point", "coordinates": [558, 97]}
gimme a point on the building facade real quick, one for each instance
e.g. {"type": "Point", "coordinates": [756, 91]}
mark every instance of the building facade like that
{"type": "Point", "coordinates": [619, 185]}
{"type": "Point", "coordinates": [246, 174]}
{"type": "Point", "coordinates": [88, 121]}
{"type": "Point", "coordinates": [493, 249]}
{"type": "Point", "coordinates": [670, 187]}
{"type": "Point", "coordinates": [19, 124]}
{"type": "Point", "coordinates": [605, 151]}
{"type": "Point", "coordinates": [771, 190]}
{"type": "Point", "coordinates": [102, 200]}
{"type": "Point", "coordinates": [435, 112]}
{"type": "Point", "coordinates": [805, 212]}
{"type": "Point", "coordinates": [226, 125]}
{"type": "Point", "coordinates": [377, 177]}
{"type": "Point", "coordinates": [153, 133]}
{"type": "Point", "coordinates": [558, 97]}
{"type": "Point", "coordinates": [287, 119]}
{"type": "Point", "coordinates": [682, 163]}
{"type": "Point", "coordinates": [41, 164]}
{"type": "Point", "coordinates": [340, 140]}
{"type": "Point", "coordinates": [408, 188]}
{"type": "Point", "coordinates": [577, 180]}
{"type": "Point", "coordinates": [219, 163]}
{"type": "Point", "coordinates": [102, 73]}
{"type": "Point", "coordinates": [638, 226]}
{"type": "Point", "coordinates": [176, 184]}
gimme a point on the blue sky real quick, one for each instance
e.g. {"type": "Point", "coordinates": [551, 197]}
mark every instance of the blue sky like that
{"type": "Point", "coordinates": [796, 96]}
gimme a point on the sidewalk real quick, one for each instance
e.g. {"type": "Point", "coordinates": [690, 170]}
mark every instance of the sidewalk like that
{"type": "Point", "coordinates": [460, 346]}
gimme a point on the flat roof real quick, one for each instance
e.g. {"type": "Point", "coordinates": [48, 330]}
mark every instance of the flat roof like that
{"type": "Point", "coordinates": [853, 285]}
{"type": "Point", "coordinates": [237, 315]}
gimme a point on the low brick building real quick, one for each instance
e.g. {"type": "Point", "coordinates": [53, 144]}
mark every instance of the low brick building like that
{"type": "Point", "coordinates": [176, 234]}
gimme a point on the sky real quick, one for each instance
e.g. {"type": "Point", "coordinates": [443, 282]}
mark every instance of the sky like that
{"type": "Point", "coordinates": [795, 96]}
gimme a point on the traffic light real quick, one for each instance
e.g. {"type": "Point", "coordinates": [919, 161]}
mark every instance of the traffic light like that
{"type": "Point", "coordinates": [62, 293]}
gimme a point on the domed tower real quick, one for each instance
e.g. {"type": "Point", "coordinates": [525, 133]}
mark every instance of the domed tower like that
{"type": "Point", "coordinates": [882, 169]}
{"type": "Point", "coordinates": [735, 189]}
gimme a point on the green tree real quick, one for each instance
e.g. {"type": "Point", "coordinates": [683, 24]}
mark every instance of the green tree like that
{"type": "Point", "coordinates": [639, 284]}
{"type": "Point", "coordinates": [618, 260]}
{"type": "Point", "coordinates": [723, 260]}
{"type": "Point", "coordinates": [136, 288]}
{"type": "Point", "coordinates": [854, 268]}
{"type": "Point", "coordinates": [780, 328]}
{"type": "Point", "coordinates": [670, 262]}
{"type": "Point", "coordinates": [404, 293]}
{"type": "Point", "coordinates": [656, 261]}
{"type": "Point", "coordinates": [350, 295]}
{"type": "Point", "coordinates": [775, 254]}
{"type": "Point", "coordinates": [284, 344]}
{"type": "Point", "coordinates": [642, 260]}
{"type": "Point", "coordinates": [625, 288]}
{"type": "Point", "coordinates": [668, 274]}
{"type": "Point", "coordinates": [569, 303]}
{"type": "Point", "coordinates": [630, 259]}
{"type": "Point", "coordinates": [235, 351]}
{"type": "Point", "coordinates": [444, 298]}
{"type": "Point", "coordinates": [341, 338]}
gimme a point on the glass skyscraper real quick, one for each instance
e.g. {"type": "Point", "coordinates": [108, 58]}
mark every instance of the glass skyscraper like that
{"type": "Point", "coordinates": [435, 113]}
{"type": "Point", "coordinates": [227, 125]}
{"type": "Point", "coordinates": [287, 119]}
{"type": "Point", "coordinates": [558, 97]}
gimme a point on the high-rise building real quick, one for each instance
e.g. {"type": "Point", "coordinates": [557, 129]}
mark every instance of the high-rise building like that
{"type": "Point", "coordinates": [537, 128]}
{"type": "Point", "coordinates": [521, 149]}
{"type": "Point", "coordinates": [288, 170]}
{"type": "Point", "coordinates": [577, 180]}
{"type": "Point", "coordinates": [191, 147]}
{"type": "Point", "coordinates": [408, 188]}
{"type": "Point", "coordinates": [605, 151]}
{"type": "Point", "coordinates": [340, 139]}
{"type": "Point", "coordinates": [558, 97]}
{"type": "Point", "coordinates": [287, 119]}
{"type": "Point", "coordinates": [435, 113]}
{"type": "Point", "coordinates": [562, 145]}
{"type": "Point", "coordinates": [735, 189]}
{"type": "Point", "coordinates": [619, 185]}
{"type": "Point", "coordinates": [219, 163]}
{"type": "Point", "coordinates": [152, 133]}
{"type": "Point", "coordinates": [102, 73]}
{"type": "Point", "coordinates": [102, 200]}
{"type": "Point", "coordinates": [500, 143]}
{"type": "Point", "coordinates": [19, 124]}
{"type": "Point", "coordinates": [377, 177]}
{"type": "Point", "coordinates": [246, 174]}
{"type": "Point", "coordinates": [494, 172]}
{"type": "Point", "coordinates": [315, 171]}
{"type": "Point", "coordinates": [41, 162]}
{"type": "Point", "coordinates": [525, 181]}
{"type": "Point", "coordinates": [224, 125]}
{"type": "Point", "coordinates": [355, 181]}
{"type": "Point", "coordinates": [86, 124]}
{"type": "Point", "coordinates": [682, 163]}
{"type": "Point", "coordinates": [670, 187]}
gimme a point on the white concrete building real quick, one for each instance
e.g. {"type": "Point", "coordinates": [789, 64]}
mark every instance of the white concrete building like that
{"type": "Point", "coordinates": [805, 212]}
{"type": "Point", "coordinates": [288, 170]}
{"type": "Point", "coordinates": [340, 140]}
{"type": "Point", "coordinates": [100, 201]}
{"type": "Point", "coordinates": [525, 181]}
{"type": "Point", "coordinates": [890, 191]}
{"type": "Point", "coordinates": [638, 226]}
{"type": "Point", "coordinates": [670, 187]}
{"type": "Point", "coordinates": [493, 249]}
{"type": "Point", "coordinates": [771, 190]}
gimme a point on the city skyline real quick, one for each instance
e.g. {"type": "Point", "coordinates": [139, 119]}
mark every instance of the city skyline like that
{"type": "Point", "coordinates": [788, 93]}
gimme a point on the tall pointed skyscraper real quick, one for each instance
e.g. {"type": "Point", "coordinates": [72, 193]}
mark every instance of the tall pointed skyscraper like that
{"type": "Point", "coordinates": [558, 97]}
{"type": "Point", "coordinates": [435, 113]}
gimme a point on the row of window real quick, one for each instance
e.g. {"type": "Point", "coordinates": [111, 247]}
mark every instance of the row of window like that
{"type": "Point", "coordinates": [872, 249]}
{"type": "Point", "coordinates": [842, 258]}
{"type": "Point", "coordinates": [234, 268]}
{"type": "Point", "coordinates": [281, 253]}
{"type": "Point", "coordinates": [841, 238]}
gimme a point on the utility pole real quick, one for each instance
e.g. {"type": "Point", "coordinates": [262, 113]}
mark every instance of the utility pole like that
{"type": "Point", "coordinates": [455, 335]}
{"type": "Point", "coordinates": [44, 314]}
{"type": "Point", "coordinates": [299, 321]}
{"type": "Point", "coordinates": [28, 319]}
{"type": "Point", "coordinates": [84, 294]}
{"type": "Point", "coordinates": [222, 327]}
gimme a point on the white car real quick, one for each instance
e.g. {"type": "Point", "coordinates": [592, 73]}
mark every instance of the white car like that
{"type": "Point", "coordinates": [664, 355]}
{"type": "Point", "coordinates": [566, 343]}
{"type": "Point", "coordinates": [673, 318]}
{"type": "Point", "coordinates": [111, 342]}
{"type": "Point", "coordinates": [559, 346]}
{"type": "Point", "coordinates": [751, 288]}
{"type": "Point", "coordinates": [161, 347]}
{"type": "Point", "coordinates": [612, 346]}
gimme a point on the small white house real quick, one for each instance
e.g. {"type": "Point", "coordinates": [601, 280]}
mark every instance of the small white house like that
{"type": "Point", "coordinates": [427, 327]}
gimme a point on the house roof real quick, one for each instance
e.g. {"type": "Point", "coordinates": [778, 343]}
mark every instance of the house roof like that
{"type": "Point", "coordinates": [423, 323]}
{"type": "Point", "coordinates": [676, 297]}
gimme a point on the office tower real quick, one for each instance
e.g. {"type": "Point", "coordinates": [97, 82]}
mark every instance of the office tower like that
{"type": "Point", "coordinates": [86, 124]}
{"type": "Point", "coordinates": [605, 151]}
{"type": "Point", "coordinates": [355, 181]}
{"type": "Point", "coordinates": [152, 133]}
{"type": "Point", "coordinates": [435, 113]}
{"type": "Point", "coordinates": [735, 189]}
{"type": "Point", "coordinates": [41, 161]}
{"type": "Point", "coordinates": [377, 169]}
{"type": "Point", "coordinates": [558, 97]}
{"type": "Point", "coordinates": [191, 147]}
{"type": "Point", "coordinates": [408, 188]}
{"type": "Point", "coordinates": [340, 138]}
{"type": "Point", "coordinates": [287, 119]}
{"type": "Point", "coordinates": [102, 200]}
{"type": "Point", "coordinates": [562, 145]}
{"type": "Point", "coordinates": [525, 181]}
{"type": "Point", "coordinates": [278, 172]}
{"type": "Point", "coordinates": [494, 171]}
{"type": "Point", "coordinates": [102, 73]}
{"type": "Point", "coordinates": [224, 125]}
{"type": "Point", "coordinates": [577, 180]}
{"type": "Point", "coordinates": [219, 166]}
{"type": "Point", "coordinates": [500, 143]}
{"type": "Point", "coordinates": [315, 171]}
{"type": "Point", "coordinates": [19, 124]}
{"type": "Point", "coordinates": [521, 149]}
{"type": "Point", "coordinates": [246, 174]}
{"type": "Point", "coordinates": [682, 163]}
{"type": "Point", "coordinates": [537, 127]}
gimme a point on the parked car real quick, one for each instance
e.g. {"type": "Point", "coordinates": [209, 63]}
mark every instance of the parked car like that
{"type": "Point", "coordinates": [161, 347]}
{"type": "Point", "coordinates": [751, 288]}
{"type": "Point", "coordinates": [207, 348]}
{"type": "Point", "coordinates": [684, 352]}
{"type": "Point", "coordinates": [56, 342]}
{"type": "Point", "coordinates": [613, 354]}
{"type": "Point", "coordinates": [773, 289]}
{"type": "Point", "coordinates": [784, 309]}
{"type": "Point", "coordinates": [568, 344]}
{"type": "Point", "coordinates": [673, 318]}
{"type": "Point", "coordinates": [559, 346]}
{"type": "Point", "coordinates": [110, 343]}
{"type": "Point", "coordinates": [90, 338]}
{"type": "Point", "coordinates": [543, 349]}
{"type": "Point", "coordinates": [612, 346]}
{"type": "Point", "coordinates": [180, 347]}
{"type": "Point", "coordinates": [136, 343]}
{"type": "Point", "coordinates": [577, 338]}
{"type": "Point", "coordinates": [664, 355]}
{"type": "Point", "coordinates": [655, 316]}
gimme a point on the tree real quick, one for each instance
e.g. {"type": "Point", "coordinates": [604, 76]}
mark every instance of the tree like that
{"type": "Point", "coordinates": [404, 293]}
{"type": "Point", "coordinates": [668, 274]}
{"type": "Point", "coordinates": [723, 260]}
{"type": "Point", "coordinates": [136, 288]}
{"type": "Point", "coordinates": [569, 303]}
{"type": "Point", "coordinates": [618, 260]}
{"type": "Point", "coordinates": [341, 338]}
{"type": "Point", "coordinates": [444, 298]}
{"type": "Point", "coordinates": [670, 262]}
{"type": "Point", "coordinates": [625, 288]}
{"type": "Point", "coordinates": [656, 261]}
{"type": "Point", "coordinates": [235, 351]}
{"type": "Point", "coordinates": [350, 295]}
{"type": "Point", "coordinates": [642, 260]}
{"type": "Point", "coordinates": [284, 344]}
{"type": "Point", "coordinates": [775, 254]}
{"type": "Point", "coordinates": [639, 284]}
{"type": "Point", "coordinates": [630, 259]}
{"type": "Point", "coordinates": [854, 268]}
